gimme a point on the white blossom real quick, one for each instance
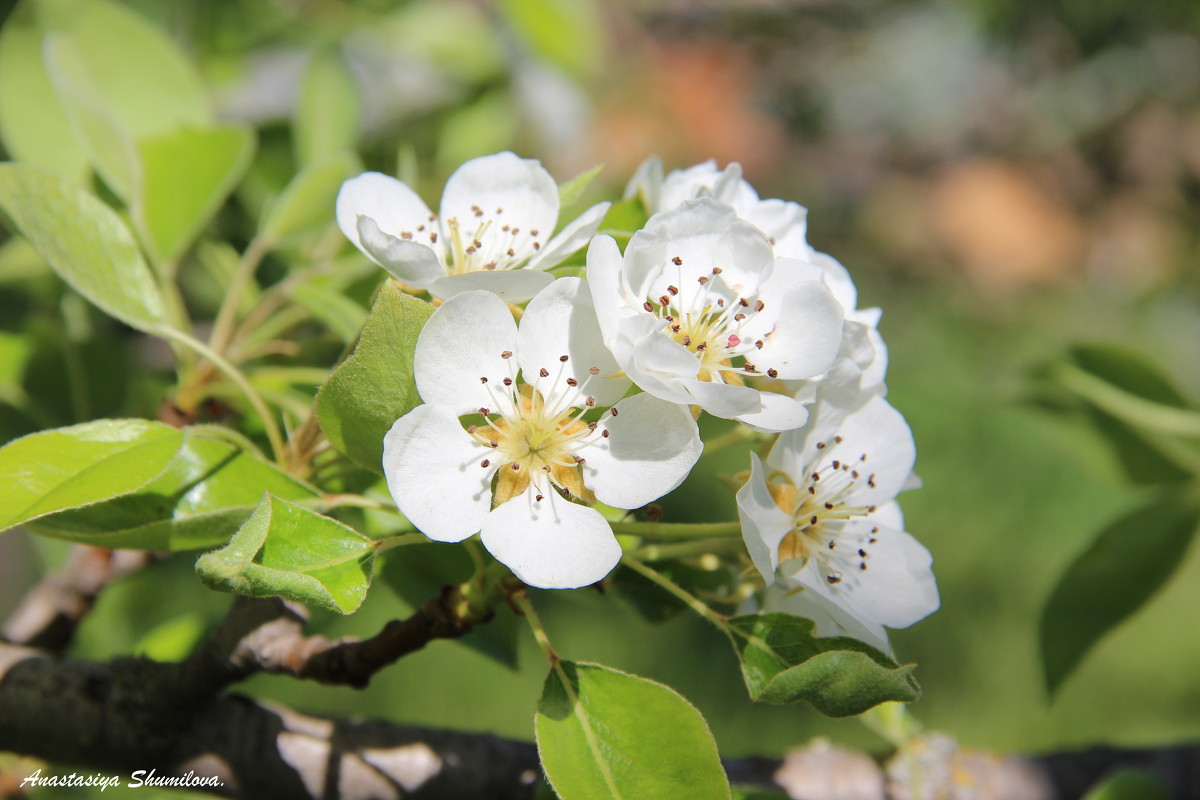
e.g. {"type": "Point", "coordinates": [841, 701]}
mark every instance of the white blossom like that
{"type": "Point", "coordinates": [825, 521]}
{"type": "Point", "coordinates": [700, 311]}
{"type": "Point", "coordinates": [521, 425]}
{"type": "Point", "coordinates": [493, 231]}
{"type": "Point", "coordinates": [785, 225]}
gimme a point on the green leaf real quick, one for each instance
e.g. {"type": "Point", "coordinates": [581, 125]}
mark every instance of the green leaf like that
{"type": "Point", "coordinates": [145, 78]}
{"type": "Point", "coordinates": [33, 125]}
{"type": "Point", "coordinates": [308, 200]}
{"type": "Point", "coordinates": [570, 192]}
{"type": "Point", "coordinates": [567, 33]}
{"type": "Point", "coordinates": [84, 241]}
{"type": "Point", "coordinates": [658, 605]}
{"type": "Point", "coordinates": [47, 472]}
{"type": "Point", "coordinates": [783, 662]}
{"type": "Point", "coordinates": [186, 176]}
{"type": "Point", "coordinates": [208, 489]}
{"type": "Point", "coordinates": [484, 126]}
{"type": "Point", "coordinates": [1128, 561]}
{"type": "Point", "coordinates": [173, 639]}
{"type": "Point", "coordinates": [292, 552]}
{"type": "Point", "coordinates": [417, 572]}
{"type": "Point", "coordinates": [607, 735]}
{"type": "Point", "coordinates": [375, 386]}
{"type": "Point", "coordinates": [1129, 784]}
{"type": "Point", "coordinates": [104, 138]}
{"type": "Point", "coordinates": [344, 316]}
{"type": "Point", "coordinates": [328, 110]}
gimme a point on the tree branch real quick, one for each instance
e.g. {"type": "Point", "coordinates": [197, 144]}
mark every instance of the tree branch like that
{"type": "Point", "coordinates": [48, 615]}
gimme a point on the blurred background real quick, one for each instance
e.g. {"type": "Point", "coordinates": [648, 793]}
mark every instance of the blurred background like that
{"type": "Point", "coordinates": [1003, 178]}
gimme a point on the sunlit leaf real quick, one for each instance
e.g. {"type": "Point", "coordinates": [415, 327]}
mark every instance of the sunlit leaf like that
{"type": "Point", "coordinates": [286, 550]}
{"type": "Point", "coordinates": [208, 489]}
{"type": "Point", "coordinates": [375, 386]}
{"type": "Point", "coordinates": [85, 242]}
{"type": "Point", "coordinates": [607, 735]}
{"type": "Point", "coordinates": [783, 662]}
{"type": "Point", "coordinates": [567, 33]}
{"type": "Point", "coordinates": [66, 468]}
{"type": "Point", "coordinates": [571, 191]}
{"type": "Point", "coordinates": [1127, 563]}
{"type": "Point", "coordinates": [186, 176]}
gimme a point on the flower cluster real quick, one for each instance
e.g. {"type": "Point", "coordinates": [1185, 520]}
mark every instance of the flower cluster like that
{"type": "Point", "coordinates": [717, 304]}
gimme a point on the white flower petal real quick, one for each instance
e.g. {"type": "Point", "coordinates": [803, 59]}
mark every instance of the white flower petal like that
{"type": "Point", "coordinates": [785, 223]}
{"type": "Point", "coordinates": [830, 619]}
{"type": "Point", "coordinates": [463, 341]}
{"type": "Point", "coordinates": [604, 279]}
{"type": "Point", "coordinates": [414, 263]}
{"type": "Point", "coordinates": [897, 589]}
{"type": "Point", "coordinates": [651, 447]}
{"type": "Point", "coordinates": [432, 470]}
{"type": "Point", "coordinates": [807, 333]}
{"type": "Point", "coordinates": [647, 183]}
{"type": "Point", "coordinates": [779, 412]}
{"type": "Point", "coordinates": [561, 321]}
{"type": "Point", "coordinates": [573, 236]}
{"type": "Point", "coordinates": [552, 544]}
{"type": "Point", "coordinates": [725, 400]}
{"type": "Point", "coordinates": [394, 207]}
{"type": "Point", "coordinates": [878, 431]}
{"type": "Point", "coordinates": [511, 285]}
{"type": "Point", "coordinates": [764, 524]}
{"type": "Point", "coordinates": [522, 188]}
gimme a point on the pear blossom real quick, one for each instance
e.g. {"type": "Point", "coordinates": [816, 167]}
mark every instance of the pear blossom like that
{"type": "Point", "coordinates": [825, 521]}
{"type": "Point", "coordinates": [494, 230]}
{"type": "Point", "coordinates": [521, 425]}
{"type": "Point", "coordinates": [700, 311]}
{"type": "Point", "coordinates": [785, 224]}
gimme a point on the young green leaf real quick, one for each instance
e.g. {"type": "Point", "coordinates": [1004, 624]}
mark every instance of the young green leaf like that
{"type": "Point", "coordinates": [344, 316]}
{"type": "Point", "coordinates": [47, 472]}
{"type": "Point", "coordinates": [783, 662]}
{"type": "Point", "coordinates": [33, 125]}
{"type": "Point", "coordinates": [286, 550]}
{"type": "Point", "coordinates": [570, 192]}
{"type": "Point", "coordinates": [327, 114]}
{"type": "Point", "coordinates": [84, 241]}
{"type": "Point", "coordinates": [199, 500]}
{"type": "Point", "coordinates": [185, 177]}
{"type": "Point", "coordinates": [607, 735]}
{"type": "Point", "coordinates": [104, 138]}
{"type": "Point", "coordinates": [1128, 561]}
{"type": "Point", "coordinates": [375, 386]}
{"type": "Point", "coordinates": [309, 198]}
{"type": "Point", "coordinates": [567, 33]}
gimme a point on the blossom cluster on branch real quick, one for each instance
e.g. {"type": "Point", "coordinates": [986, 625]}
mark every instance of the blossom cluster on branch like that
{"type": "Point", "coordinates": [530, 433]}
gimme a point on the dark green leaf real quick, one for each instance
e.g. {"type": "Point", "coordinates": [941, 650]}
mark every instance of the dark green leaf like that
{"type": "Point", "coordinates": [1128, 561]}
{"type": "Point", "coordinates": [375, 386]}
{"type": "Point", "coordinates": [607, 735]}
{"type": "Point", "coordinates": [186, 176]}
{"type": "Point", "coordinates": [1129, 784]}
{"type": "Point", "coordinates": [206, 491]}
{"type": "Point", "coordinates": [783, 662]}
{"type": "Point", "coordinates": [289, 551]}
{"type": "Point", "coordinates": [657, 604]}
{"type": "Point", "coordinates": [85, 242]}
{"type": "Point", "coordinates": [47, 472]}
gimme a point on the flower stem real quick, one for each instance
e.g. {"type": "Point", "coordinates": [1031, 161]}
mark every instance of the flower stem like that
{"type": "Point", "coordinates": [739, 434]}
{"type": "Point", "coordinates": [223, 326]}
{"type": "Point", "coordinates": [657, 552]}
{"type": "Point", "coordinates": [689, 599]}
{"type": "Point", "coordinates": [269, 425]}
{"type": "Point", "coordinates": [399, 540]}
{"type": "Point", "coordinates": [678, 530]}
{"type": "Point", "coordinates": [521, 600]}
